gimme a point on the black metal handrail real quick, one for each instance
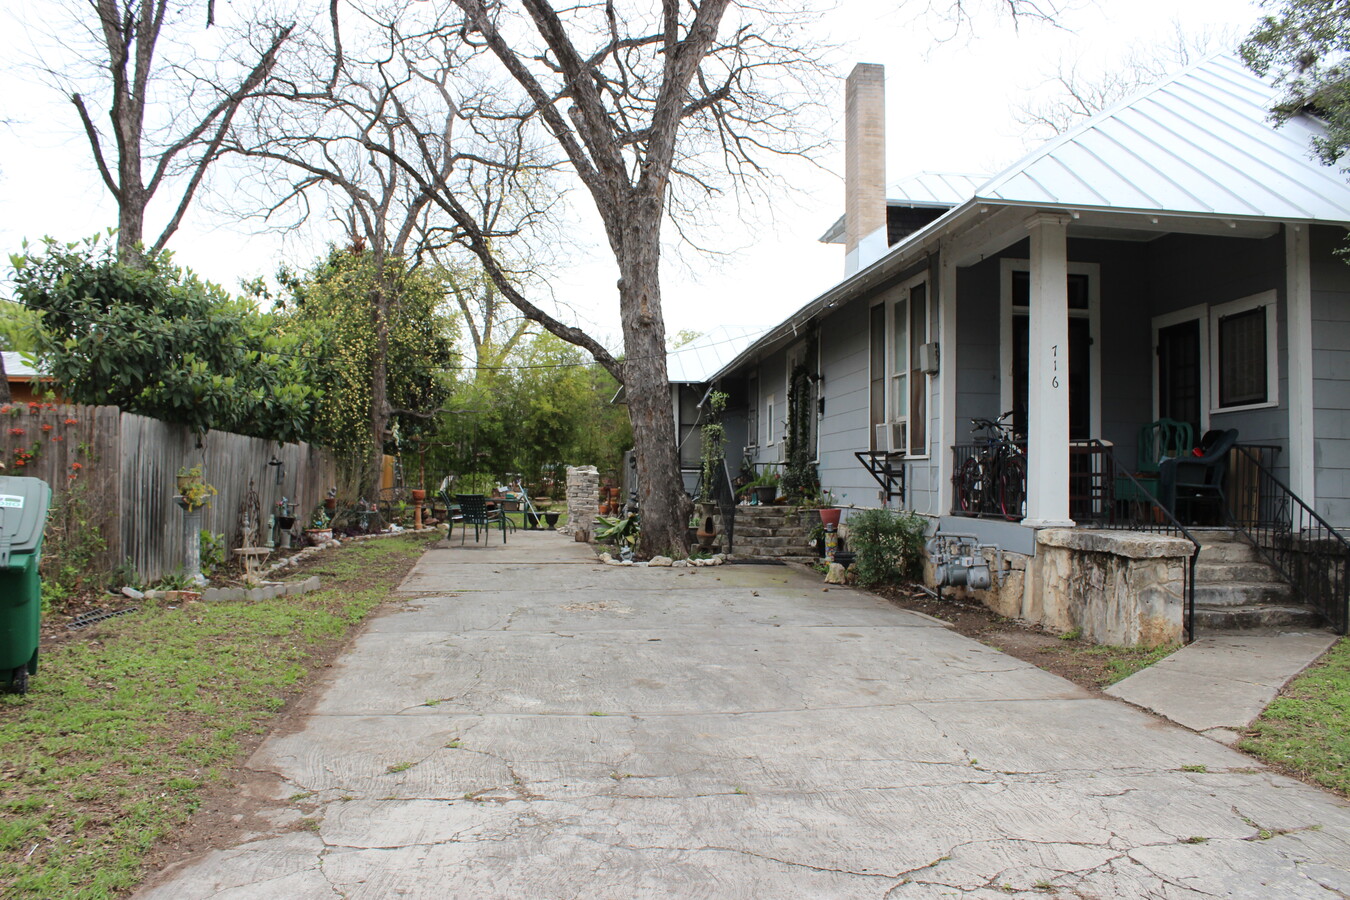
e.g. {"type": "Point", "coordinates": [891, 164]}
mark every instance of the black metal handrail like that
{"type": "Point", "coordinates": [1292, 537]}
{"type": "Point", "coordinates": [1114, 499]}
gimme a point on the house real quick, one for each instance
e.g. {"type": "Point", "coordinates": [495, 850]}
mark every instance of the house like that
{"type": "Point", "coordinates": [1172, 257]}
{"type": "Point", "coordinates": [25, 381]}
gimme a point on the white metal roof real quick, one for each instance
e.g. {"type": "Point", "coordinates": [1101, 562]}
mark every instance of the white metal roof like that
{"type": "Point", "coordinates": [16, 366]}
{"type": "Point", "coordinates": [698, 360]}
{"type": "Point", "coordinates": [1200, 143]}
{"type": "Point", "coordinates": [934, 190]}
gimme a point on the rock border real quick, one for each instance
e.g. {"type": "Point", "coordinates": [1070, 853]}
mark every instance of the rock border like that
{"type": "Point", "coordinates": [660, 562]}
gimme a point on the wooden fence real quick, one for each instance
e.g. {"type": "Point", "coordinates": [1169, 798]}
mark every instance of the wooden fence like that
{"type": "Point", "coordinates": [123, 467]}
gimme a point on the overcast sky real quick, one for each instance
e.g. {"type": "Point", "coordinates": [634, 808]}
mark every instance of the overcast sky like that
{"type": "Point", "coordinates": [951, 104]}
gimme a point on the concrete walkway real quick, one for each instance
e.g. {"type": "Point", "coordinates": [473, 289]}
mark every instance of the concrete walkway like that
{"type": "Point", "coordinates": [534, 725]}
{"type": "Point", "coordinates": [1219, 684]}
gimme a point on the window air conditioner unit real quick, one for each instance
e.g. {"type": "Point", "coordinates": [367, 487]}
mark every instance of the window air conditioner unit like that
{"type": "Point", "coordinates": [891, 437]}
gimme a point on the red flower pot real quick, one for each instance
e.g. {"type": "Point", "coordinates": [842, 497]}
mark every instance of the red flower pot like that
{"type": "Point", "coordinates": [829, 515]}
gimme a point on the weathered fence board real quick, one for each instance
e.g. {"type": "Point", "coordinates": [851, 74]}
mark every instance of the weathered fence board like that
{"type": "Point", "coordinates": [125, 465]}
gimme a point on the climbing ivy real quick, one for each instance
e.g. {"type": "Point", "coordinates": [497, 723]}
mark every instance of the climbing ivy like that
{"type": "Point", "coordinates": [800, 481]}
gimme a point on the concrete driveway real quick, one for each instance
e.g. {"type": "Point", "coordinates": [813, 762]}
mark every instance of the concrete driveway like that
{"type": "Point", "coordinates": [535, 725]}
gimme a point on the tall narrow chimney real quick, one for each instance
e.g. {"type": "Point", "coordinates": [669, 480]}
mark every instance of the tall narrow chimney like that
{"type": "Point", "coordinates": [864, 166]}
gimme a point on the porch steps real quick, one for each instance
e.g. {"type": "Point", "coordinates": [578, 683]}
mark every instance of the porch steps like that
{"type": "Point", "coordinates": [771, 532]}
{"type": "Point", "coordinates": [1235, 590]}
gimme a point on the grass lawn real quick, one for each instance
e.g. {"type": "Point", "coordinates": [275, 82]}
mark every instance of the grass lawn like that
{"type": "Point", "coordinates": [126, 724]}
{"type": "Point", "coordinates": [1307, 729]}
{"type": "Point", "coordinates": [1122, 662]}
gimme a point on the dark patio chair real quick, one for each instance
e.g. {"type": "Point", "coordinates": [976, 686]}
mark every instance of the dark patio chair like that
{"type": "Point", "coordinates": [1189, 485]}
{"type": "Point", "coordinates": [473, 511]}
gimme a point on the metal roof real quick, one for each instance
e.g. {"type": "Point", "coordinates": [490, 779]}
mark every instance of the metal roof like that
{"type": "Point", "coordinates": [18, 367]}
{"type": "Point", "coordinates": [932, 190]}
{"type": "Point", "coordinates": [697, 361]}
{"type": "Point", "coordinates": [1200, 143]}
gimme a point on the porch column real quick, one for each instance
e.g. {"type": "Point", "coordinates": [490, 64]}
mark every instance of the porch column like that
{"type": "Point", "coordinates": [1297, 262]}
{"type": "Point", "coordinates": [1048, 374]}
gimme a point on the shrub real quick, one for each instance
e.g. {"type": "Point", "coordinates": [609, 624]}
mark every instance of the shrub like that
{"type": "Point", "coordinates": [889, 544]}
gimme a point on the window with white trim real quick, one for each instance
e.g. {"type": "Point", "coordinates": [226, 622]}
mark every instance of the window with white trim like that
{"type": "Point", "coordinates": [1242, 337]}
{"type": "Point", "coordinates": [900, 388]}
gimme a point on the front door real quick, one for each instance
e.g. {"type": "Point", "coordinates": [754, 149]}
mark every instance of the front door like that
{"type": "Point", "coordinates": [1080, 355]}
{"type": "Point", "coordinates": [1179, 373]}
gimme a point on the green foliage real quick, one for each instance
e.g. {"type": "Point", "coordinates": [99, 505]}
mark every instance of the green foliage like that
{"type": "Point", "coordinates": [158, 341]}
{"type": "Point", "coordinates": [1305, 46]}
{"type": "Point", "coordinates": [213, 551]}
{"type": "Point", "coordinates": [70, 546]}
{"type": "Point", "coordinates": [18, 327]}
{"type": "Point", "coordinates": [1307, 728]}
{"type": "Point", "coordinates": [714, 435]}
{"type": "Point", "coordinates": [618, 530]}
{"type": "Point", "coordinates": [545, 408]}
{"type": "Point", "coordinates": [800, 481]}
{"type": "Point", "coordinates": [889, 544]}
{"type": "Point", "coordinates": [330, 312]}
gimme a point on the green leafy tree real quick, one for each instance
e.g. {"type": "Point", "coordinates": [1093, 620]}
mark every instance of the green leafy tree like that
{"type": "Point", "coordinates": [1305, 45]}
{"type": "Point", "coordinates": [331, 313]}
{"type": "Point", "coordinates": [156, 340]}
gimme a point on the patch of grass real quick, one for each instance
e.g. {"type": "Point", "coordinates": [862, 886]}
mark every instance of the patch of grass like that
{"type": "Point", "coordinates": [1072, 634]}
{"type": "Point", "coordinates": [1122, 662]}
{"type": "Point", "coordinates": [123, 729]}
{"type": "Point", "coordinates": [1195, 768]}
{"type": "Point", "coordinates": [400, 767]}
{"type": "Point", "coordinates": [1195, 839]}
{"type": "Point", "coordinates": [1306, 730]}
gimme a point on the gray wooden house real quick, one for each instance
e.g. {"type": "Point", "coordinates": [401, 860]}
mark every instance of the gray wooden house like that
{"type": "Point", "coordinates": [1172, 258]}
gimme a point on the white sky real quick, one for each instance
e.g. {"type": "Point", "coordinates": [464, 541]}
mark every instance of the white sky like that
{"type": "Point", "coordinates": [950, 107]}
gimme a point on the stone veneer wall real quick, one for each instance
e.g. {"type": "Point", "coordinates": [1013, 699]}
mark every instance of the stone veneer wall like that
{"type": "Point", "coordinates": [583, 498]}
{"type": "Point", "coordinates": [1116, 587]}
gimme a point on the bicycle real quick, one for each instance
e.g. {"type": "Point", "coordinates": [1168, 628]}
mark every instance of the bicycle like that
{"type": "Point", "coordinates": [994, 480]}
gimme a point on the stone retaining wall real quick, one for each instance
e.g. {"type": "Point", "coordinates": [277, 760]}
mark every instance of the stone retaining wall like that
{"type": "Point", "coordinates": [1115, 587]}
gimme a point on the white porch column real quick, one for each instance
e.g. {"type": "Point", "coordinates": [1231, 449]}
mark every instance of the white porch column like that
{"type": "Point", "coordinates": [1048, 374]}
{"type": "Point", "coordinates": [1297, 262]}
{"type": "Point", "coordinates": [946, 431]}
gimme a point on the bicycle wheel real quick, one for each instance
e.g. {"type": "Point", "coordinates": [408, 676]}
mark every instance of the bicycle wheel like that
{"type": "Point", "coordinates": [1012, 488]}
{"type": "Point", "coordinates": [970, 492]}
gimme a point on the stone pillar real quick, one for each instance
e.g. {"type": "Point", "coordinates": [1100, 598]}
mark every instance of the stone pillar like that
{"type": "Point", "coordinates": [583, 498]}
{"type": "Point", "coordinates": [1048, 375]}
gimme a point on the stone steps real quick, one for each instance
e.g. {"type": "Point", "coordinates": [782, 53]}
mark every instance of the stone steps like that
{"type": "Point", "coordinates": [1235, 590]}
{"type": "Point", "coordinates": [771, 532]}
{"type": "Point", "coordinates": [1209, 619]}
{"type": "Point", "coordinates": [1239, 593]}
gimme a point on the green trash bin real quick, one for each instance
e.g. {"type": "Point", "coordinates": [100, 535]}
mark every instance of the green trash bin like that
{"type": "Point", "coordinates": [23, 519]}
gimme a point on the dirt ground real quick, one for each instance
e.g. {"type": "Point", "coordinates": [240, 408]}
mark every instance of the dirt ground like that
{"type": "Point", "coordinates": [1082, 662]}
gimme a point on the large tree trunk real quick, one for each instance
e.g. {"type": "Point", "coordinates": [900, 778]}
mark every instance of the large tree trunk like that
{"type": "Point", "coordinates": [664, 505]}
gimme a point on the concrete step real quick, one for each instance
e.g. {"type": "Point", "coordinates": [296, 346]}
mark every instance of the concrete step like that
{"type": "Point", "coordinates": [1210, 619]}
{"type": "Point", "coordinates": [1224, 572]}
{"type": "Point", "coordinates": [1227, 551]}
{"type": "Point", "coordinates": [1233, 594]}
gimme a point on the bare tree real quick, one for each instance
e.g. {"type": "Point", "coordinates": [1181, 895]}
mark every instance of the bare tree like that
{"type": "Point", "coordinates": [1071, 95]}
{"type": "Point", "coordinates": [165, 115]}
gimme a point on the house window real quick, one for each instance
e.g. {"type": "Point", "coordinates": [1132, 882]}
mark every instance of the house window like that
{"type": "Point", "coordinates": [690, 437]}
{"type": "Point", "coordinates": [1243, 339]}
{"type": "Point", "coordinates": [899, 387]}
{"type": "Point", "coordinates": [770, 413]}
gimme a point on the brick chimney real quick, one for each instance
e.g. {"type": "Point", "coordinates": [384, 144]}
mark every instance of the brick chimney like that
{"type": "Point", "coordinates": [864, 166]}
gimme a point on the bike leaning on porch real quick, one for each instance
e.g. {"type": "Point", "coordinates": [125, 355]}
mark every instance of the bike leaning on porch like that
{"type": "Point", "coordinates": [993, 481]}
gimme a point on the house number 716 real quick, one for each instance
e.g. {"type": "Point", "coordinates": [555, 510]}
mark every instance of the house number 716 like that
{"type": "Point", "coordinates": [1054, 365]}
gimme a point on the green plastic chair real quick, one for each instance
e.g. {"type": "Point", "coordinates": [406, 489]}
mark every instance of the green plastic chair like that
{"type": "Point", "coordinates": [1163, 439]}
{"type": "Point", "coordinates": [473, 511]}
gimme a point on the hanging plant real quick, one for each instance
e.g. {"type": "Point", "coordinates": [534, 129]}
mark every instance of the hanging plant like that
{"type": "Point", "coordinates": [799, 472]}
{"type": "Point", "coordinates": [714, 445]}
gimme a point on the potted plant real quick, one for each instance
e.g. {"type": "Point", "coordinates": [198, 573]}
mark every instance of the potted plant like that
{"type": "Point", "coordinates": [194, 489]}
{"type": "Point", "coordinates": [763, 488]}
{"type": "Point", "coordinates": [319, 531]}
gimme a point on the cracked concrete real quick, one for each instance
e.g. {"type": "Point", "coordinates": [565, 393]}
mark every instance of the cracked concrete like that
{"type": "Point", "coordinates": [535, 726]}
